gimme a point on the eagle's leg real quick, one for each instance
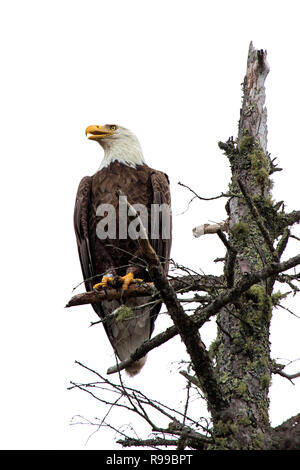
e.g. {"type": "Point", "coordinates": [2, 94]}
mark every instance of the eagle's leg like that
{"type": "Point", "coordinates": [107, 279]}
{"type": "Point", "coordinates": [127, 280]}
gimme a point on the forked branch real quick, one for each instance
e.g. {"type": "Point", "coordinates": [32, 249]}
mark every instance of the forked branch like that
{"type": "Point", "coordinates": [202, 315]}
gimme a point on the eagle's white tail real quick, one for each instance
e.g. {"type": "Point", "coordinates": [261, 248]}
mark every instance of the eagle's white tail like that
{"type": "Point", "coordinates": [130, 328]}
{"type": "Point", "coordinates": [136, 366]}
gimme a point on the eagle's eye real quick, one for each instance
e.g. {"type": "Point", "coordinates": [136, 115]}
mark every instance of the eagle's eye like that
{"type": "Point", "coordinates": [113, 127]}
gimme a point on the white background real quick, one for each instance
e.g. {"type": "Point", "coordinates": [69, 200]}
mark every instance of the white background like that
{"type": "Point", "coordinates": [171, 72]}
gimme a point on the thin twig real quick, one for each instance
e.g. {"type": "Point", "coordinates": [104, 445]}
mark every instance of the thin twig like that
{"type": "Point", "coordinates": [206, 198]}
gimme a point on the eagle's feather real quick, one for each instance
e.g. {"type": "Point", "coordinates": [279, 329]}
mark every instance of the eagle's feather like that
{"type": "Point", "coordinates": [142, 185]}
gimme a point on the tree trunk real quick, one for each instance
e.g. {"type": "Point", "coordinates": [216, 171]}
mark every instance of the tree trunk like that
{"type": "Point", "coordinates": [242, 348]}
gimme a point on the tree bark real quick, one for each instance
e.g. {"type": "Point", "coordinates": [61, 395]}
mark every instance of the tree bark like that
{"type": "Point", "coordinates": [242, 348]}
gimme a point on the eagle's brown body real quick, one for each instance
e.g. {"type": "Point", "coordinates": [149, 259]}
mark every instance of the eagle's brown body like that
{"type": "Point", "coordinates": [141, 185]}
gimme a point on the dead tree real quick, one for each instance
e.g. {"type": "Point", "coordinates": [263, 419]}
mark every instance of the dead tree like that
{"type": "Point", "coordinates": [234, 374]}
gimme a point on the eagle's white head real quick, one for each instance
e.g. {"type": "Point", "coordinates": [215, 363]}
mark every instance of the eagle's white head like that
{"type": "Point", "coordinates": [118, 144]}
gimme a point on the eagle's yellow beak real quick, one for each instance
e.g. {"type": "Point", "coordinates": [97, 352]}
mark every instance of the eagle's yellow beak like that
{"type": "Point", "coordinates": [98, 132]}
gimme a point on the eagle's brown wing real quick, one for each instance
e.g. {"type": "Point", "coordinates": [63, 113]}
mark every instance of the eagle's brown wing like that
{"type": "Point", "coordinates": [162, 195]}
{"type": "Point", "coordinates": [81, 226]}
{"type": "Point", "coordinates": [162, 246]}
{"type": "Point", "coordinates": [81, 217]}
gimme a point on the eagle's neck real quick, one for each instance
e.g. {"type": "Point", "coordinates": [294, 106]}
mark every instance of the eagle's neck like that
{"type": "Point", "coordinates": [126, 150]}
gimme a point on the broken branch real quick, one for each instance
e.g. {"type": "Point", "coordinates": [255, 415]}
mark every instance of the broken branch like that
{"type": "Point", "coordinates": [210, 229]}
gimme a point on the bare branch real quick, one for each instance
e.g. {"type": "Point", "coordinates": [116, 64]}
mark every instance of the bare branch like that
{"type": "Point", "coordinates": [288, 376]}
{"type": "Point", "coordinates": [154, 442]}
{"type": "Point", "coordinates": [134, 400]}
{"type": "Point", "coordinates": [202, 315]}
{"type": "Point", "coordinates": [191, 378]}
{"type": "Point", "coordinates": [187, 438]}
{"type": "Point", "coordinates": [290, 218]}
{"type": "Point", "coordinates": [288, 278]}
{"type": "Point", "coordinates": [183, 284]}
{"type": "Point", "coordinates": [206, 198]}
{"type": "Point", "coordinates": [210, 229]}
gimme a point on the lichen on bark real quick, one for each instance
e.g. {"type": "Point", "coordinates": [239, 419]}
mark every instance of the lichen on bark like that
{"type": "Point", "coordinates": [243, 352]}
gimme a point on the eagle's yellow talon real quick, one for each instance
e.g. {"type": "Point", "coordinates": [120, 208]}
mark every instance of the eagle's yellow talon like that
{"type": "Point", "coordinates": [104, 283]}
{"type": "Point", "coordinates": [127, 280]}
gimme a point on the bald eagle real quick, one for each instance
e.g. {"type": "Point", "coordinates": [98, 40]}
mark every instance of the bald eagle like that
{"type": "Point", "coordinates": [108, 251]}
